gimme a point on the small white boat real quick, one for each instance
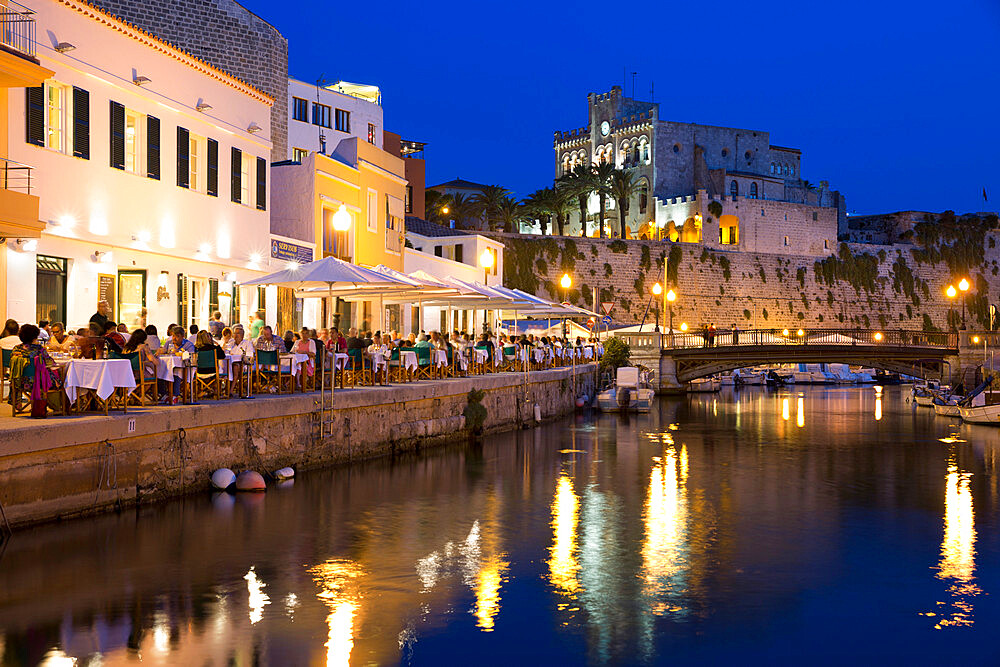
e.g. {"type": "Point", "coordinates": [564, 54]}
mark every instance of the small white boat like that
{"type": "Point", "coordinates": [630, 393]}
{"type": "Point", "coordinates": [727, 380]}
{"type": "Point", "coordinates": [981, 414]}
{"type": "Point", "coordinates": [753, 378]}
{"type": "Point", "coordinates": [706, 385]}
{"type": "Point", "coordinates": [947, 409]}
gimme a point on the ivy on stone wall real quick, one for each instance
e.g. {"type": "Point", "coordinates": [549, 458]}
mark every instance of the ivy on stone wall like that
{"type": "Point", "coordinates": [724, 263]}
{"type": "Point", "coordinates": [715, 208]}
{"type": "Point", "coordinates": [859, 271]}
{"type": "Point", "coordinates": [674, 263]}
{"type": "Point", "coordinates": [764, 313]}
{"type": "Point", "coordinates": [645, 261]}
{"type": "Point", "coordinates": [608, 271]}
{"type": "Point", "coordinates": [618, 246]}
{"type": "Point", "coordinates": [959, 242]}
{"type": "Point", "coordinates": [639, 284]}
{"type": "Point", "coordinates": [800, 275]}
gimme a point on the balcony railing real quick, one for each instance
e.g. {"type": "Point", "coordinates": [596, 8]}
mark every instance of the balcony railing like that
{"type": "Point", "coordinates": [17, 28]}
{"type": "Point", "coordinates": [15, 176]}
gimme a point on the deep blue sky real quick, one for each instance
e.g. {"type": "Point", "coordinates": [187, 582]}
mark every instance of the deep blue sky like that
{"type": "Point", "coordinates": [895, 103]}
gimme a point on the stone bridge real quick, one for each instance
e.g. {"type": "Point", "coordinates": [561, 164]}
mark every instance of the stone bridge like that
{"type": "Point", "coordinates": [679, 358]}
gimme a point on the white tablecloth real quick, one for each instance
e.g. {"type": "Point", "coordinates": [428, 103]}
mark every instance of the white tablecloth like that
{"type": "Point", "coordinates": [170, 366]}
{"type": "Point", "coordinates": [588, 352]}
{"type": "Point", "coordinates": [408, 359]}
{"type": "Point", "coordinates": [295, 361]}
{"type": "Point", "coordinates": [340, 360]}
{"type": "Point", "coordinates": [379, 361]}
{"type": "Point", "coordinates": [101, 375]}
{"type": "Point", "coordinates": [439, 358]}
{"type": "Point", "coordinates": [482, 356]}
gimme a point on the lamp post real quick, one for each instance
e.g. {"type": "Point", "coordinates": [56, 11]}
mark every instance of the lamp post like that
{"type": "Point", "coordinates": [671, 297]}
{"type": "Point", "coordinates": [341, 223]}
{"type": "Point", "coordinates": [486, 261]}
{"type": "Point", "coordinates": [566, 282]}
{"type": "Point", "coordinates": [963, 286]}
{"type": "Point", "coordinates": [951, 292]}
{"type": "Point", "coordinates": [657, 291]}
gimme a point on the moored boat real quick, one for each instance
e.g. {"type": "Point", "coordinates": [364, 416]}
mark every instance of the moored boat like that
{"type": "Point", "coordinates": [631, 392]}
{"type": "Point", "coordinates": [704, 385]}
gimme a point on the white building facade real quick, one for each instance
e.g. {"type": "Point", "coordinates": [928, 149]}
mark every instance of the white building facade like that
{"type": "Point", "coordinates": [320, 117]}
{"type": "Point", "coordinates": [152, 171]}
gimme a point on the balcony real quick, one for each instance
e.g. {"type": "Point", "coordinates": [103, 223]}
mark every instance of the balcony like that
{"type": "Point", "coordinates": [18, 207]}
{"type": "Point", "coordinates": [17, 29]}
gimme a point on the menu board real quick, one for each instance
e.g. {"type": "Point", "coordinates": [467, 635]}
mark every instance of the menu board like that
{"type": "Point", "coordinates": [106, 290]}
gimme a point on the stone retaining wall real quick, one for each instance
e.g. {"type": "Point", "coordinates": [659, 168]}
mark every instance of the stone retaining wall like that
{"type": "Point", "coordinates": [68, 466]}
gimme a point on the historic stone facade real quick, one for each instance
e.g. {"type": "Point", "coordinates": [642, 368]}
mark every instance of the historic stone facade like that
{"type": "Point", "coordinates": [224, 34]}
{"type": "Point", "coordinates": [674, 160]}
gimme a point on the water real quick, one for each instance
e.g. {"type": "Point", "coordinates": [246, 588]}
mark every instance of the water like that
{"type": "Point", "coordinates": [819, 525]}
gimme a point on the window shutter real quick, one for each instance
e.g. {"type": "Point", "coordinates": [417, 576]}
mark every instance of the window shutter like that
{"type": "Point", "coordinates": [183, 153]}
{"type": "Point", "coordinates": [182, 300]}
{"type": "Point", "coordinates": [237, 165]}
{"type": "Point", "coordinates": [81, 123]}
{"type": "Point", "coordinates": [261, 184]}
{"type": "Point", "coordinates": [153, 147]}
{"type": "Point", "coordinates": [213, 295]}
{"type": "Point", "coordinates": [234, 305]}
{"type": "Point", "coordinates": [459, 252]}
{"type": "Point", "coordinates": [117, 136]}
{"type": "Point", "coordinates": [213, 167]}
{"type": "Point", "coordinates": [35, 115]}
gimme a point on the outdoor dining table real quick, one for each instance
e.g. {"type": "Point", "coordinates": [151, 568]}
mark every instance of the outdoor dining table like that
{"type": "Point", "coordinates": [101, 376]}
{"type": "Point", "coordinates": [482, 357]}
{"type": "Point", "coordinates": [296, 362]}
{"type": "Point", "coordinates": [408, 360]}
{"type": "Point", "coordinates": [439, 359]}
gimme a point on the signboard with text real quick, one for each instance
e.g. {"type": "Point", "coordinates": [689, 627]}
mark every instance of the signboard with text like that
{"type": "Point", "coordinates": [291, 252]}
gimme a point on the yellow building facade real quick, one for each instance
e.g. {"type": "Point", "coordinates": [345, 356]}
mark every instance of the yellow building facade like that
{"type": "Point", "coordinates": [19, 68]}
{"type": "Point", "coordinates": [369, 184]}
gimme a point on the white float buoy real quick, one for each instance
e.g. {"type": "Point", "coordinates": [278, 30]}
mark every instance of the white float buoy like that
{"type": "Point", "coordinates": [249, 480]}
{"type": "Point", "coordinates": [284, 473]}
{"type": "Point", "coordinates": [223, 478]}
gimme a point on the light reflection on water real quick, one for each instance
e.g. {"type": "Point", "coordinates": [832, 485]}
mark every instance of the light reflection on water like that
{"type": "Point", "coordinates": [707, 530]}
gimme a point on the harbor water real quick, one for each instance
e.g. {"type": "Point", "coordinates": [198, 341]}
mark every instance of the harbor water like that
{"type": "Point", "coordinates": [819, 524]}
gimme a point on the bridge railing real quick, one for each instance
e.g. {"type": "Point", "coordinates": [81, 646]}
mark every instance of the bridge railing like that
{"type": "Point", "coordinates": [841, 337]}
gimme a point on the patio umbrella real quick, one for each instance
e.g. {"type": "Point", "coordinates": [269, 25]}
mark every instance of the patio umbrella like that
{"type": "Point", "coordinates": [328, 272]}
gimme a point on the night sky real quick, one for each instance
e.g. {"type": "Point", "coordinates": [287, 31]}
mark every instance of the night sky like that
{"type": "Point", "coordinates": [894, 103]}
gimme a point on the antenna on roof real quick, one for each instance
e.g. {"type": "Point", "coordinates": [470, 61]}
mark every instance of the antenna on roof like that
{"type": "Point", "coordinates": [319, 128]}
{"type": "Point", "coordinates": [652, 98]}
{"type": "Point", "coordinates": [633, 84]}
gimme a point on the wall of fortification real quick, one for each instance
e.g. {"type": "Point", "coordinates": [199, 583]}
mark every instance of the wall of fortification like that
{"type": "Point", "coordinates": [880, 287]}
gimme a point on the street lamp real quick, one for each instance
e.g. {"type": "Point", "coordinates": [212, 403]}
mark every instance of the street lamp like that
{"type": "Point", "coordinates": [963, 286]}
{"type": "Point", "coordinates": [684, 327]}
{"type": "Point", "coordinates": [341, 223]}
{"type": "Point", "coordinates": [566, 282]}
{"type": "Point", "coordinates": [657, 291]}
{"type": "Point", "coordinates": [486, 261]}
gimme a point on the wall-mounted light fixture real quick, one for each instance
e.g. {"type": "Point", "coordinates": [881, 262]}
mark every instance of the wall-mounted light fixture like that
{"type": "Point", "coordinates": [27, 245]}
{"type": "Point", "coordinates": [141, 80]}
{"type": "Point", "coordinates": [203, 106]}
{"type": "Point", "coordinates": [63, 47]}
{"type": "Point", "coordinates": [254, 128]}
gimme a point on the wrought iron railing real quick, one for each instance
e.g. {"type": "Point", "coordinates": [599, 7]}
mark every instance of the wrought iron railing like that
{"type": "Point", "coordinates": [816, 337]}
{"type": "Point", "coordinates": [17, 28]}
{"type": "Point", "coordinates": [15, 176]}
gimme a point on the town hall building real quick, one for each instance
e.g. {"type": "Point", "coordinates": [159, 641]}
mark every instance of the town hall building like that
{"type": "Point", "coordinates": [762, 203]}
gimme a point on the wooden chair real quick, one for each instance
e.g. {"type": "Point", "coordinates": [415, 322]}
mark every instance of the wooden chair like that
{"type": "Point", "coordinates": [397, 373]}
{"type": "Point", "coordinates": [509, 359]}
{"type": "Point", "coordinates": [484, 367]}
{"type": "Point", "coordinates": [4, 369]}
{"type": "Point", "coordinates": [145, 389]}
{"type": "Point", "coordinates": [358, 367]}
{"type": "Point", "coordinates": [207, 379]}
{"type": "Point", "coordinates": [20, 396]}
{"type": "Point", "coordinates": [268, 373]}
{"type": "Point", "coordinates": [425, 369]}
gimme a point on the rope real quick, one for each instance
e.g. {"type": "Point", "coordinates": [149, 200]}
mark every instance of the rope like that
{"type": "Point", "coordinates": [107, 465]}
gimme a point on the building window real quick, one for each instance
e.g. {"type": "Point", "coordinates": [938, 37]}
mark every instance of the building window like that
{"type": "Point", "coordinates": [734, 189]}
{"type": "Point", "coordinates": [826, 244]}
{"type": "Point", "coordinates": [643, 199]}
{"type": "Point", "coordinates": [246, 171]}
{"type": "Point", "coordinates": [677, 148]}
{"type": "Point", "coordinates": [196, 169]}
{"type": "Point", "coordinates": [815, 215]}
{"type": "Point", "coordinates": [133, 141]}
{"type": "Point", "coordinates": [791, 170]}
{"type": "Point", "coordinates": [408, 204]}
{"type": "Point", "coordinates": [786, 240]}
{"type": "Point", "coordinates": [372, 211]}
{"type": "Point", "coordinates": [343, 121]}
{"type": "Point", "coordinates": [55, 116]}
{"type": "Point", "coordinates": [321, 114]}
{"type": "Point", "coordinates": [725, 152]}
{"type": "Point", "coordinates": [371, 133]}
{"type": "Point", "coordinates": [299, 154]}
{"type": "Point", "coordinates": [50, 289]}
{"type": "Point", "coordinates": [753, 191]}
{"type": "Point", "coordinates": [300, 109]}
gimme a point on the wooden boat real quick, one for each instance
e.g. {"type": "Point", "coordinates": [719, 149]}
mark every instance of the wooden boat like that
{"type": "Point", "coordinates": [981, 414]}
{"type": "Point", "coordinates": [947, 409]}
{"type": "Point", "coordinates": [630, 393]}
{"type": "Point", "coordinates": [706, 385]}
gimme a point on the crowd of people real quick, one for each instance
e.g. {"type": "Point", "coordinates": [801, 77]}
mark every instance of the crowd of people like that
{"type": "Point", "coordinates": [103, 338]}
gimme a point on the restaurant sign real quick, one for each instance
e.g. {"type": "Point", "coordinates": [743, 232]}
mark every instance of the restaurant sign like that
{"type": "Point", "coordinates": [291, 252]}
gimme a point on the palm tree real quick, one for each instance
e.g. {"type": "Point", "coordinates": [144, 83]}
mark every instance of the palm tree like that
{"type": "Point", "coordinates": [559, 206]}
{"type": "Point", "coordinates": [435, 204]}
{"type": "Point", "coordinates": [510, 213]}
{"type": "Point", "coordinates": [536, 206]}
{"type": "Point", "coordinates": [623, 187]}
{"type": "Point", "coordinates": [602, 185]}
{"type": "Point", "coordinates": [488, 200]}
{"type": "Point", "coordinates": [579, 183]}
{"type": "Point", "coordinates": [462, 208]}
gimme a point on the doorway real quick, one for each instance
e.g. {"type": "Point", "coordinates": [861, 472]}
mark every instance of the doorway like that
{"type": "Point", "coordinates": [50, 289]}
{"type": "Point", "coordinates": [132, 299]}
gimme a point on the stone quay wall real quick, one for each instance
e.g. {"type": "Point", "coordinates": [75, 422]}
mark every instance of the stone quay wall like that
{"type": "Point", "coordinates": [890, 289]}
{"type": "Point", "coordinates": [62, 467]}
